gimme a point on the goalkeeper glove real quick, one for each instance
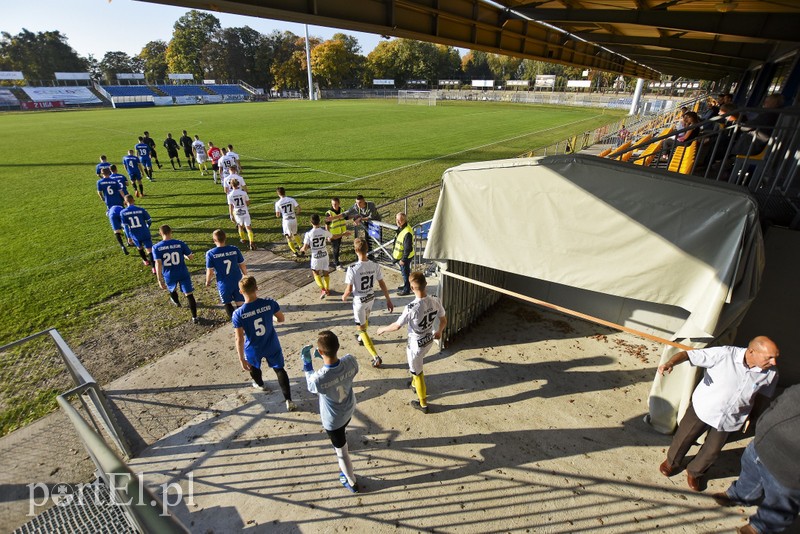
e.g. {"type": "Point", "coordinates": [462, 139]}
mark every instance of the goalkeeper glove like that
{"type": "Point", "coordinates": [305, 355]}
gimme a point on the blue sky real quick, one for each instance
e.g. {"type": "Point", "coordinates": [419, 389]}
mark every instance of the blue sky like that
{"type": "Point", "coordinates": [99, 26]}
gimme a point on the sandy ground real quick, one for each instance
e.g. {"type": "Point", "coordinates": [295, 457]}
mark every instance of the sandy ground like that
{"type": "Point", "coordinates": [535, 425]}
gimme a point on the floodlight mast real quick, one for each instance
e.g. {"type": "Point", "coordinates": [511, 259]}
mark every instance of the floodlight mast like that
{"type": "Point", "coordinates": [308, 65]}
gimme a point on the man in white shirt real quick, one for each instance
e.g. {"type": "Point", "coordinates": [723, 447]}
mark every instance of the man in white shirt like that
{"type": "Point", "coordinates": [238, 202]}
{"type": "Point", "coordinates": [721, 402]}
{"type": "Point", "coordinates": [200, 155]}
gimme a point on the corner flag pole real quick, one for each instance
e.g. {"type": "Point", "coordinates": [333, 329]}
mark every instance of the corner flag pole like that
{"type": "Point", "coordinates": [568, 311]}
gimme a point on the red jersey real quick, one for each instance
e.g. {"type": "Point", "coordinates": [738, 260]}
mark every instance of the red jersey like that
{"type": "Point", "coordinates": [214, 153]}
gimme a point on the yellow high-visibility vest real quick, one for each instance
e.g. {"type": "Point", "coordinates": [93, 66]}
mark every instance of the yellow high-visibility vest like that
{"type": "Point", "coordinates": [337, 227]}
{"type": "Point", "coordinates": [397, 253]}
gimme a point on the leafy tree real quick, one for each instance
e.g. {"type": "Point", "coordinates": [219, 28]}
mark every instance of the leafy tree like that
{"type": "Point", "coordinates": [194, 47]}
{"type": "Point", "coordinates": [448, 63]}
{"type": "Point", "coordinates": [290, 73]}
{"type": "Point", "coordinates": [475, 65]}
{"type": "Point", "coordinates": [239, 49]}
{"type": "Point", "coordinates": [153, 59]}
{"type": "Point", "coordinates": [337, 62]}
{"type": "Point", "coordinates": [39, 55]}
{"type": "Point", "coordinates": [404, 60]}
{"type": "Point", "coordinates": [503, 67]}
{"type": "Point", "coordinates": [113, 63]}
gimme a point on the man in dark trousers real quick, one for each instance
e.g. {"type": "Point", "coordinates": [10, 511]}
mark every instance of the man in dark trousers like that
{"type": "Point", "coordinates": [186, 142]}
{"type": "Point", "coordinates": [403, 251]}
{"type": "Point", "coordinates": [172, 150]}
{"type": "Point", "coordinates": [770, 476]}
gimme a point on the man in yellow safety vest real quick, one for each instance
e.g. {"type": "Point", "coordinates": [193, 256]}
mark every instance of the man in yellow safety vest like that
{"type": "Point", "coordinates": [337, 227]}
{"type": "Point", "coordinates": [403, 251]}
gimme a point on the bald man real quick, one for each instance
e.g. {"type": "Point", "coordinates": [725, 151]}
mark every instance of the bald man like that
{"type": "Point", "coordinates": [721, 402]}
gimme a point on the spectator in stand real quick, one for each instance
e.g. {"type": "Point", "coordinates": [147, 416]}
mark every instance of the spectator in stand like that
{"type": "Point", "coordinates": [757, 131]}
{"type": "Point", "coordinates": [186, 142]}
{"type": "Point", "coordinates": [686, 136]}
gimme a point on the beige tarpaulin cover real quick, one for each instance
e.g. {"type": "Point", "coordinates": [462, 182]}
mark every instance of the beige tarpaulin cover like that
{"type": "Point", "coordinates": [611, 228]}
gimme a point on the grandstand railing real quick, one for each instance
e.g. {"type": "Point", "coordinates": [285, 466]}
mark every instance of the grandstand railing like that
{"type": "Point", "coordinates": [761, 159]}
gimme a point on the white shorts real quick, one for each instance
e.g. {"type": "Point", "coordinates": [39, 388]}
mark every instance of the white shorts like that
{"type": "Point", "coordinates": [289, 226]}
{"type": "Point", "coordinates": [416, 351]}
{"type": "Point", "coordinates": [362, 306]}
{"type": "Point", "coordinates": [243, 220]}
{"type": "Point", "coordinates": [320, 261]}
{"type": "Point", "coordinates": [202, 157]}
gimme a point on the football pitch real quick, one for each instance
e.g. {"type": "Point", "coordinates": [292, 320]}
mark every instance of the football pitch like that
{"type": "Point", "coordinates": [61, 259]}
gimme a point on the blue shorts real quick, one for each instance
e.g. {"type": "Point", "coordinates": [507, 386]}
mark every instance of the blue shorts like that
{"type": "Point", "coordinates": [146, 162]}
{"type": "Point", "coordinates": [185, 285]}
{"type": "Point", "coordinates": [229, 294]}
{"type": "Point", "coordinates": [136, 178]}
{"type": "Point", "coordinates": [142, 242]}
{"type": "Point", "coordinates": [115, 220]}
{"type": "Point", "coordinates": [274, 360]}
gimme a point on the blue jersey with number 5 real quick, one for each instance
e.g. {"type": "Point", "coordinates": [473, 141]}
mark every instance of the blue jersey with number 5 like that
{"type": "Point", "coordinates": [260, 338]}
{"type": "Point", "coordinates": [171, 252]}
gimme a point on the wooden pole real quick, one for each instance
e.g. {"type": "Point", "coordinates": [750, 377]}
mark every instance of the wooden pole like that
{"type": "Point", "coordinates": [568, 311]}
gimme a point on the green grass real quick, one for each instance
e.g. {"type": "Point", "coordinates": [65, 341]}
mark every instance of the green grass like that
{"type": "Point", "coordinates": [60, 258]}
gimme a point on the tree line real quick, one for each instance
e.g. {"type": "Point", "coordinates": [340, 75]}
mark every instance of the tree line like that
{"type": "Point", "coordinates": [202, 47]}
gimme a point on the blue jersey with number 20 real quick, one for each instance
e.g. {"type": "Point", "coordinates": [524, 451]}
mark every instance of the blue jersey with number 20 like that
{"type": "Point", "coordinates": [171, 252]}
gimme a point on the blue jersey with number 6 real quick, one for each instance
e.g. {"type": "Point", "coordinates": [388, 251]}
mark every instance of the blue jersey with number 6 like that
{"type": "Point", "coordinates": [260, 338]}
{"type": "Point", "coordinates": [110, 189]}
{"type": "Point", "coordinates": [171, 252]}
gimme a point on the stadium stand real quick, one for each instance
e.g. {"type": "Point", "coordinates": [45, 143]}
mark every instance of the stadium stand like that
{"type": "Point", "coordinates": [227, 89]}
{"type": "Point", "coordinates": [181, 90]}
{"type": "Point", "coordinates": [128, 90]}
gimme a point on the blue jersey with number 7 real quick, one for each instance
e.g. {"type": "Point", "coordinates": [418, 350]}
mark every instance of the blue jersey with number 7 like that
{"type": "Point", "coordinates": [260, 338]}
{"type": "Point", "coordinates": [225, 262]}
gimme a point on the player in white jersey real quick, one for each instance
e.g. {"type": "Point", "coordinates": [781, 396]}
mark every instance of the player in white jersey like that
{"type": "Point", "coordinates": [360, 279]}
{"type": "Point", "coordinates": [420, 315]}
{"type": "Point", "coordinates": [236, 157]}
{"type": "Point", "coordinates": [200, 154]}
{"type": "Point", "coordinates": [288, 209]}
{"type": "Point", "coordinates": [227, 165]}
{"type": "Point", "coordinates": [238, 202]}
{"type": "Point", "coordinates": [315, 240]}
{"type": "Point", "coordinates": [226, 183]}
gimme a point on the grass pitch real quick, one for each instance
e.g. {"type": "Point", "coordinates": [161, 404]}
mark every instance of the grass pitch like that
{"type": "Point", "coordinates": [60, 257]}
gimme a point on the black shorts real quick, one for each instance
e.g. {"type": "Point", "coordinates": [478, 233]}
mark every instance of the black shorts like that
{"type": "Point", "coordinates": [338, 436]}
{"type": "Point", "coordinates": [172, 153]}
{"type": "Point", "coordinates": [215, 166]}
{"type": "Point", "coordinates": [188, 152]}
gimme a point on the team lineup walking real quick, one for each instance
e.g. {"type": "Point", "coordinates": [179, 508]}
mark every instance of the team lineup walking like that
{"type": "Point", "coordinates": [253, 317]}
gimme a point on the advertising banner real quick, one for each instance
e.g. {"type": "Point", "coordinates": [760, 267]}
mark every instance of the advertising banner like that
{"type": "Point", "coordinates": [66, 95]}
{"type": "Point", "coordinates": [42, 105]}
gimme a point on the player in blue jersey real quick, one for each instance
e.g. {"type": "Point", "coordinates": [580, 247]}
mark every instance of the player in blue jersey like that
{"type": "Point", "coordinates": [102, 165]}
{"type": "Point", "coordinates": [143, 150]}
{"type": "Point", "coordinates": [334, 385]}
{"type": "Point", "coordinates": [170, 256]}
{"type": "Point", "coordinates": [109, 189]}
{"type": "Point", "coordinates": [115, 218]}
{"type": "Point", "coordinates": [133, 166]}
{"type": "Point", "coordinates": [136, 222]}
{"type": "Point", "coordinates": [123, 182]}
{"type": "Point", "coordinates": [227, 263]}
{"type": "Point", "coordinates": [256, 338]}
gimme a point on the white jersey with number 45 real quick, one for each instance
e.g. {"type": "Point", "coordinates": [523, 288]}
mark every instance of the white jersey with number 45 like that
{"type": "Point", "coordinates": [420, 315]}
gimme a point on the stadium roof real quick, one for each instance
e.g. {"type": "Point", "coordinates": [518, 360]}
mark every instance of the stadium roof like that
{"type": "Point", "coordinates": [705, 39]}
